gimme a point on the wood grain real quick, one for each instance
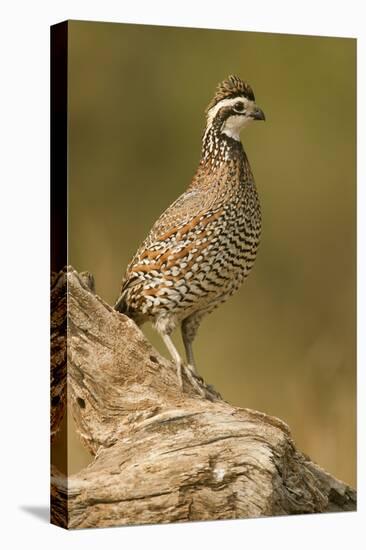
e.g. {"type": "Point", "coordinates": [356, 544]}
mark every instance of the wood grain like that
{"type": "Point", "coordinates": [162, 455]}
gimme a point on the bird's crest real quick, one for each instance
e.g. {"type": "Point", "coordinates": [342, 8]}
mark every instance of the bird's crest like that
{"type": "Point", "coordinates": [231, 87]}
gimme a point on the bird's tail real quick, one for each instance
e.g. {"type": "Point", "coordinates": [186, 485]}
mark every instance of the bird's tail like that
{"type": "Point", "coordinates": [121, 305]}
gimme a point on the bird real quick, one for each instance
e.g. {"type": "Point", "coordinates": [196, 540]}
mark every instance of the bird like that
{"type": "Point", "coordinates": [203, 246]}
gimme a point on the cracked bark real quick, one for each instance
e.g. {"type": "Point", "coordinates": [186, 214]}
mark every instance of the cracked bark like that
{"type": "Point", "coordinates": [162, 455]}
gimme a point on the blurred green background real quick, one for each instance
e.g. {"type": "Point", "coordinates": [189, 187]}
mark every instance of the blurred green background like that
{"type": "Point", "coordinates": [285, 344]}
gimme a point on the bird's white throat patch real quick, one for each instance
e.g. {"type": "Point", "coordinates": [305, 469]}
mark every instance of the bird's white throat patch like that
{"type": "Point", "coordinates": [234, 124]}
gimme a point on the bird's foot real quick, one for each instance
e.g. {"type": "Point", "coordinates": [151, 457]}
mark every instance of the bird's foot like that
{"type": "Point", "coordinates": [191, 374]}
{"type": "Point", "coordinates": [192, 368]}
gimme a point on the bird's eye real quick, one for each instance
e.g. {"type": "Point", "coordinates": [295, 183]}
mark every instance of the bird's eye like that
{"type": "Point", "coordinates": [239, 106]}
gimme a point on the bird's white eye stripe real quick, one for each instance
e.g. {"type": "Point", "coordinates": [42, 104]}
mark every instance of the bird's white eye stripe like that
{"type": "Point", "coordinates": [232, 102]}
{"type": "Point", "coordinates": [223, 103]}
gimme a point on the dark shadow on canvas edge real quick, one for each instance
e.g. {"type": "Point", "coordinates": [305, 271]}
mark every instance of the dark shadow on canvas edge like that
{"type": "Point", "coordinates": [40, 512]}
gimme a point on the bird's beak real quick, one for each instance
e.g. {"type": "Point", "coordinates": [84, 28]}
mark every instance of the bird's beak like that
{"type": "Point", "coordinates": [258, 114]}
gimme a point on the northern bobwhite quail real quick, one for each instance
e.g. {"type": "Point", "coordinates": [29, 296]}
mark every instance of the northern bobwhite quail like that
{"type": "Point", "coordinates": [203, 246]}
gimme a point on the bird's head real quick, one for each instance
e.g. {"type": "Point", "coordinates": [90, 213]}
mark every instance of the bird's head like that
{"type": "Point", "coordinates": [232, 107]}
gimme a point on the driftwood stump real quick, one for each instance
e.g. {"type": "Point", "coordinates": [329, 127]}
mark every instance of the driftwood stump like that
{"type": "Point", "coordinates": [163, 455]}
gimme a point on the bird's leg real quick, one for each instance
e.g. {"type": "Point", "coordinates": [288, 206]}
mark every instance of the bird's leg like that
{"type": "Point", "coordinates": [180, 364]}
{"type": "Point", "coordinates": [165, 326]}
{"type": "Point", "coordinates": [189, 329]}
{"type": "Point", "coordinates": [175, 356]}
{"type": "Point", "coordinates": [189, 351]}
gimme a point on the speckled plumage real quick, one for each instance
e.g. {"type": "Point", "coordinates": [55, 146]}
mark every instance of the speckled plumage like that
{"type": "Point", "coordinates": [203, 246]}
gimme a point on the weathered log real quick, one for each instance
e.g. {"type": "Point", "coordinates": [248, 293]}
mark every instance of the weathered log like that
{"type": "Point", "coordinates": [58, 351]}
{"type": "Point", "coordinates": [163, 454]}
